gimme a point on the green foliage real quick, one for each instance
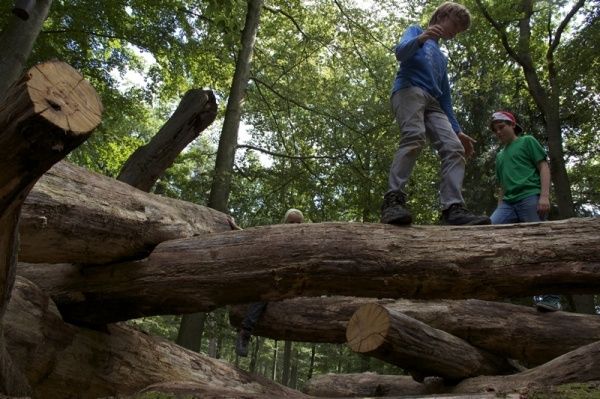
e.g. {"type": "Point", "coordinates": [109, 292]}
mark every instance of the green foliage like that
{"type": "Point", "coordinates": [163, 326]}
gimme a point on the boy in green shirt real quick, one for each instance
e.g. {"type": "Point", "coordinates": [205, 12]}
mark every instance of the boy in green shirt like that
{"type": "Point", "coordinates": [524, 176]}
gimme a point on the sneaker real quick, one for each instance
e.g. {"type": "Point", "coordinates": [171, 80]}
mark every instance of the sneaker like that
{"type": "Point", "coordinates": [548, 303]}
{"type": "Point", "coordinates": [242, 342]}
{"type": "Point", "coordinates": [393, 209]}
{"type": "Point", "coordinates": [458, 215]}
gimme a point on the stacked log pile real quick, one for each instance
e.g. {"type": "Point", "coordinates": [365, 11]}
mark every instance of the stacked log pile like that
{"type": "Point", "coordinates": [96, 252]}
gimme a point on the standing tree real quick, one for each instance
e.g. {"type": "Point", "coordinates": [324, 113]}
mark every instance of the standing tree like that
{"type": "Point", "coordinates": [542, 80]}
{"type": "Point", "coordinates": [190, 331]}
{"type": "Point", "coordinates": [16, 42]}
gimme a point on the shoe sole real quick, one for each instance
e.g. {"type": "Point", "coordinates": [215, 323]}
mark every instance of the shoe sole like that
{"type": "Point", "coordinates": [400, 221]}
{"type": "Point", "coordinates": [471, 223]}
{"type": "Point", "coordinates": [484, 222]}
{"type": "Point", "coordinates": [546, 308]}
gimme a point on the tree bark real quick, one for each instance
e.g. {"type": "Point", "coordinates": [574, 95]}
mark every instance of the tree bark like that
{"type": "Point", "coordinates": [578, 366]}
{"type": "Point", "coordinates": [63, 361]}
{"type": "Point", "coordinates": [369, 260]}
{"type": "Point", "coordinates": [196, 111]}
{"type": "Point", "coordinates": [311, 365]}
{"type": "Point", "coordinates": [195, 390]}
{"type": "Point", "coordinates": [424, 351]}
{"type": "Point", "coordinates": [45, 115]}
{"type": "Point", "coordinates": [365, 385]}
{"type": "Point", "coordinates": [73, 215]}
{"type": "Point", "coordinates": [16, 42]}
{"type": "Point", "coordinates": [221, 184]}
{"type": "Point", "coordinates": [287, 363]}
{"type": "Point", "coordinates": [191, 338]}
{"type": "Point", "coordinates": [513, 331]}
{"type": "Point", "coordinates": [219, 193]}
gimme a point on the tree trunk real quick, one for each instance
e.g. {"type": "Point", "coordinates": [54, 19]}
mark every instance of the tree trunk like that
{"type": "Point", "coordinates": [73, 215]}
{"type": "Point", "coordinates": [293, 383]}
{"type": "Point", "coordinates": [366, 385]}
{"type": "Point", "coordinates": [578, 366]}
{"type": "Point", "coordinates": [183, 389]}
{"type": "Point", "coordinates": [254, 357]}
{"type": "Point", "coordinates": [287, 363]}
{"type": "Point", "coordinates": [558, 169]}
{"type": "Point", "coordinates": [311, 366]}
{"type": "Point", "coordinates": [513, 331]}
{"type": "Point", "coordinates": [45, 115]}
{"type": "Point", "coordinates": [547, 99]}
{"type": "Point", "coordinates": [416, 347]}
{"type": "Point", "coordinates": [584, 304]}
{"type": "Point", "coordinates": [196, 111]}
{"type": "Point", "coordinates": [219, 192]}
{"type": "Point", "coordinates": [370, 260]}
{"type": "Point", "coordinates": [63, 361]}
{"type": "Point", "coordinates": [16, 42]}
{"type": "Point", "coordinates": [191, 338]}
{"type": "Point", "coordinates": [275, 358]}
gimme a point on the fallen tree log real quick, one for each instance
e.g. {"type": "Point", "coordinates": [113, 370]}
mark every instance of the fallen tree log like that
{"type": "Point", "coordinates": [73, 215]}
{"type": "Point", "coordinates": [368, 385]}
{"type": "Point", "coordinates": [64, 361]}
{"type": "Point", "coordinates": [371, 260]}
{"type": "Point", "coordinates": [513, 331]}
{"type": "Point", "coordinates": [197, 110]}
{"type": "Point", "coordinates": [50, 111]}
{"type": "Point", "coordinates": [185, 389]}
{"type": "Point", "coordinates": [578, 366]}
{"type": "Point", "coordinates": [354, 385]}
{"type": "Point", "coordinates": [393, 337]}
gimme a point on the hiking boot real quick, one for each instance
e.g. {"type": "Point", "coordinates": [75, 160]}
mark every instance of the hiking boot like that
{"type": "Point", "coordinates": [458, 215]}
{"type": "Point", "coordinates": [547, 303]}
{"type": "Point", "coordinates": [393, 209]}
{"type": "Point", "coordinates": [242, 342]}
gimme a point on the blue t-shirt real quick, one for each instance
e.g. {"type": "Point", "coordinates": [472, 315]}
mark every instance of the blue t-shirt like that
{"type": "Point", "coordinates": [424, 66]}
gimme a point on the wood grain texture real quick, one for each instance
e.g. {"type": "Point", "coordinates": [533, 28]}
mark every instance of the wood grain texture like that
{"type": "Point", "coordinates": [371, 260]}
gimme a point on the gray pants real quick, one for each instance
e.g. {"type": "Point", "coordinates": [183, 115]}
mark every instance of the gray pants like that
{"type": "Point", "coordinates": [420, 116]}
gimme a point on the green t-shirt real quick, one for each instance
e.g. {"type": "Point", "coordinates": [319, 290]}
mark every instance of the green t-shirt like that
{"type": "Point", "coordinates": [517, 168]}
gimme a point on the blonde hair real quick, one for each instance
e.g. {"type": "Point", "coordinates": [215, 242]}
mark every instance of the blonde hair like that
{"type": "Point", "coordinates": [291, 214]}
{"type": "Point", "coordinates": [456, 11]}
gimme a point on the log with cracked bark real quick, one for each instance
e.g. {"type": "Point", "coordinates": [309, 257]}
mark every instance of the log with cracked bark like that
{"type": "Point", "coordinates": [370, 260]}
{"type": "Point", "coordinates": [391, 336]}
{"type": "Point", "coordinates": [368, 385]}
{"type": "Point", "coordinates": [50, 111]}
{"type": "Point", "coordinates": [73, 215]}
{"type": "Point", "coordinates": [514, 331]}
{"type": "Point", "coordinates": [578, 366]}
{"type": "Point", "coordinates": [542, 380]}
{"type": "Point", "coordinates": [64, 361]}
{"type": "Point", "coordinates": [197, 110]}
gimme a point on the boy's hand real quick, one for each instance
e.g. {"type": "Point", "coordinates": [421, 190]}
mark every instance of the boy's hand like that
{"type": "Point", "coordinates": [432, 32]}
{"type": "Point", "coordinates": [543, 207]}
{"type": "Point", "coordinates": [467, 143]}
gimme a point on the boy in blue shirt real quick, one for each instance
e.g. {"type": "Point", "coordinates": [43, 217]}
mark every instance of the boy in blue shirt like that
{"type": "Point", "coordinates": [423, 108]}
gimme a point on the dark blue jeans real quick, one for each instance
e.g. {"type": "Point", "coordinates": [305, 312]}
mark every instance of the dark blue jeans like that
{"type": "Point", "coordinates": [522, 211]}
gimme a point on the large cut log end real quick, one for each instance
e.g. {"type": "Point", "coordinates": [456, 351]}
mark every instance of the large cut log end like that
{"type": "Point", "coordinates": [63, 97]}
{"type": "Point", "coordinates": [367, 328]}
{"type": "Point", "coordinates": [50, 111]}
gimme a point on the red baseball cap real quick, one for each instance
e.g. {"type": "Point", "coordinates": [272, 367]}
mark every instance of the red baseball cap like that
{"type": "Point", "coordinates": [505, 116]}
